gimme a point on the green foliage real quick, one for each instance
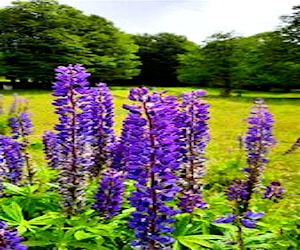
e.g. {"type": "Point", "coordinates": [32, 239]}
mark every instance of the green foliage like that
{"type": "Point", "coordinates": [159, 57]}
{"type": "Point", "coordinates": [262, 62]}
{"type": "Point", "coordinates": [39, 35]}
{"type": "Point", "coordinates": [216, 62]}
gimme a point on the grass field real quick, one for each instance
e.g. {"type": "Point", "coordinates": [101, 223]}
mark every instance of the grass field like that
{"type": "Point", "coordinates": [226, 124]}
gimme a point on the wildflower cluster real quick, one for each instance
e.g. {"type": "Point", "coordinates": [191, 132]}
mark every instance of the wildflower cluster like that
{"type": "Point", "coordinates": [102, 127]}
{"type": "Point", "coordinates": [73, 135]}
{"type": "Point", "coordinates": [195, 137]}
{"type": "Point", "coordinates": [153, 158]}
{"type": "Point", "coordinates": [160, 155]}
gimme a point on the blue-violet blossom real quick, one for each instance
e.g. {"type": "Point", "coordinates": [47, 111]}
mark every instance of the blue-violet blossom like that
{"type": "Point", "coordinates": [153, 156]}
{"type": "Point", "coordinates": [193, 122]}
{"type": "Point", "coordinates": [73, 135]}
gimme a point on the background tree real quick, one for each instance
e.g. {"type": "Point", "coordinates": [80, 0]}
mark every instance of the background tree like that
{"type": "Point", "coordinates": [159, 57]}
{"type": "Point", "coordinates": [213, 64]}
{"type": "Point", "coordinates": [38, 35]}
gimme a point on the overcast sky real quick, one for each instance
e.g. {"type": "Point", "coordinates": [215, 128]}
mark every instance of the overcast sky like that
{"type": "Point", "coordinates": [196, 19]}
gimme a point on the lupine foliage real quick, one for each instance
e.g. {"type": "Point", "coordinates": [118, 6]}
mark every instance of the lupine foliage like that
{"type": "Point", "coordinates": [144, 189]}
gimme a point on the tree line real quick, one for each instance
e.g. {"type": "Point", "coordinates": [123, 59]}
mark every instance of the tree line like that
{"type": "Point", "coordinates": [38, 35]}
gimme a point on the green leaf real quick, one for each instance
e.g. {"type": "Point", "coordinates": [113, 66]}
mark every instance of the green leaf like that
{"type": "Point", "coordinates": [13, 189]}
{"type": "Point", "coordinates": [260, 246]}
{"type": "Point", "coordinates": [225, 225]}
{"type": "Point", "coordinates": [195, 241]}
{"type": "Point", "coordinates": [190, 245]}
{"type": "Point", "coordinates": [176, 246]}
{"type": "Point", "coordinates": [13, 212]}
{"type": "Point", "coordinates": [36, 243]}
{"type": "Point", "coordinates": [22, 229]}
{"type": "Point", "coordinates": [81, 235]}
{"type": "Point", "coordinates": [45, 219]}
{"type": "Point", "coordinates": [259, 238]}
{"type": "Point", "coordinates": [181, 225]}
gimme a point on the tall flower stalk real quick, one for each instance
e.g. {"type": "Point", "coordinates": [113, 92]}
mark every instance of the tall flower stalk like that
{"type": "Point", "coordinates": [195, 136]}
{"type": "Point", "coordinates": [21, 127]}
{"type": "Point", "coordinates": [11, 160]}
{"type": "Point", "coordinates": [51, 149]}
{"type": "Point", "coordinates": [259, 139]}
{"type": "Point", "coordinates": [110, 193]}
{"type": "Point", "coordinates": [101, 105]}
{"type": "Point", "coordinates": [73, 135]}
{"type": "Point", "coordinates": [151, 161]}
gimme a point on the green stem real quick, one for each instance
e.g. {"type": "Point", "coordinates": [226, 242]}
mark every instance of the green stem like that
{"type": "Point", "coordinates": [240, 240]}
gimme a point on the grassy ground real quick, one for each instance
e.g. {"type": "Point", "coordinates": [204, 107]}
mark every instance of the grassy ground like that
{"type": "Point", "coordinates": [227, 123]}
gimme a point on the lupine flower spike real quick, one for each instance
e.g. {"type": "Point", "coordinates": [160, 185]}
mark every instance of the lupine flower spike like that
{"type": "Point", "coordinates": [73, 135]}
{"type": "Point", "coordinates": [51, 149]}
{"type": "Point", "coordinates": [151, 161]}
{"type": "Point", "coordinates": [109, 196]}
{"type": "Point", "coordinates": [11, 161]}
{"type": "Point", "coordinates": [21, 127]}
{"type": "Point", "coordinates": [103, 135]}
{"type": "Point", "coordinates": [193, 122]}
{"type": "Point", "coordinates": [259, 139]}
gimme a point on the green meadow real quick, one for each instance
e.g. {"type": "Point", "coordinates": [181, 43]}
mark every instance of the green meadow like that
{"type": "Point", "coordinates": [227, 123]}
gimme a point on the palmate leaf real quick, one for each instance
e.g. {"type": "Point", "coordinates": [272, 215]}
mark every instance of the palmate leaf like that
{"type": "Point", "coordinates": [82, 235]}
{"type": "Point", "coordinates": [195, 242]}
{"type": "Point", "coordinates": [12, 213]}
{"type": "Point", "coordinates": [182, 224]}
{"type": "Point", "coordinates": [46, 219]}
{"type": "Point", "coordinates": [13, 189]}
{"type": "Point", "coordinates": [259, 238]}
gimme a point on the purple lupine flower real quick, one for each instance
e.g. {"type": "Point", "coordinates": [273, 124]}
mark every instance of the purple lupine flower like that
{"type": "Point", "coordinates": [51, 149]}
{"type": "Point", "coordinates": [103, 134]}
{"type": "Point", "coordinates": [9, 238]}
{"type": "Point", "coordinates": [259, 137]}
{"type": "Point", "coordinates": [73, 135]}
{"type": "Point", "coordinates": [21, 127]}
{"type": "Point", "coordinates": [193, 122]}
{"type": "Point", "coordinates": [250, 218]}
{"type": "Point", "coordinates": [189, 201]}
{"type": "Point", "coordinates": [109, 196]}
{"type": "Point", "coordinates": [247, 219]}
{"type": "Point", "coordinates": [11, 160]}
{"type": "Point", "coordinates": [119, 149]}
{"type": "Point", "coordinates": [238, 191]}
{"type": "Point", "coordinates": [227, 219]}
{"type": "Point", "coordinates": [153, 155]}
{"type": "Point", "coordinates": [274, 191]}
